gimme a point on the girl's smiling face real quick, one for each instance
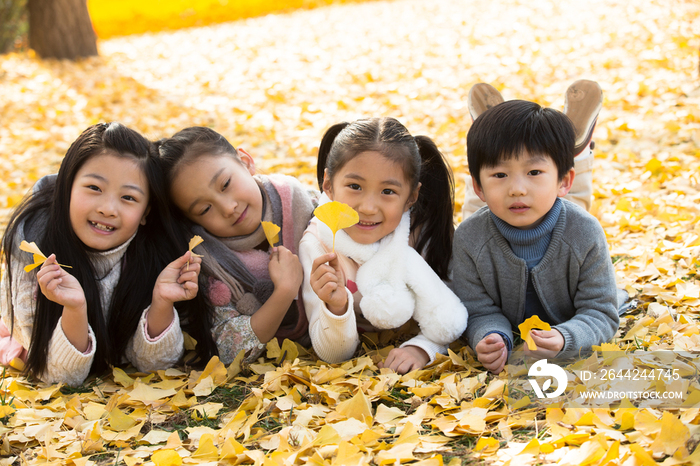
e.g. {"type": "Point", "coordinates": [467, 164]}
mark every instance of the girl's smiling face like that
{"type": "Point", "coordinates": [219, 193]}
{"type": "Point", "coordinates": [377, 189]}
{"type": "Point", "coordinates": [109, 200]}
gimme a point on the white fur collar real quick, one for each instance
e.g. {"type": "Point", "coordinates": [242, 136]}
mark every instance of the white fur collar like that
{"type": "Point", "coordinates": [361, 253]}
{"type": "Point", "coordinates": [397, 284]}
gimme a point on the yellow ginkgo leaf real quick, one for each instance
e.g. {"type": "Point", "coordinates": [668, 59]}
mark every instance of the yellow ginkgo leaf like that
{"type": "Point", "coordinates": [196, 239]}
{"type": "Point", "coordinates": [337, 216]}
{"type": "Point", "coordinates": [526, 327]}
{"type": "Point", "coordinates": [39, 257]}
{"type": "Point", "coordinates": [271, 232]}
{"type": "Point", "coordinates": [166, 458]}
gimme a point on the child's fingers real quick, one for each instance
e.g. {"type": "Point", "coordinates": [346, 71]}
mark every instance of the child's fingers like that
{"type": "Point", "coordinates": [191, 286]}
{"type": "Point", "coordinates": [545, 344]}
{"type": "Point", "coordinates": [402, 365]}
{"type": "Point", "coordinates": [498, 363]}
{"type": "Point", "coordinates": [182, 260]}
{"type": "Point", "coordinates": [545, 339]}
{"type": "Point", "coordinates": [322, 260]}
{"type": "Point", "coordinates": [488, 357]}
{"type": "Point", "coordinates": [326, 290]}
{"type": "Point", "coordinates": [324, 272]}
{"type": "Point", "coordinates": [53, 284]}
{"type": "Point", "coordinates": [490, 345]}
{"type": "Point", "coordinates": [501, 362]}
{"type": "Point", "coordinates": [48, 269]}
{"type": "Point", "coordinates": [190, 276]}
{"type": "Point", "coordinates": [49, 275]}
{"type": "Point", "coordinates": [49, 264]}
{"type": "Point", "coordinates": [196, 268]}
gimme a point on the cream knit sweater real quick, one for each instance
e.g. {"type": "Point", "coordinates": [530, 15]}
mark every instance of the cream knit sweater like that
{"type": "Point", "coordinates": [65, 363]}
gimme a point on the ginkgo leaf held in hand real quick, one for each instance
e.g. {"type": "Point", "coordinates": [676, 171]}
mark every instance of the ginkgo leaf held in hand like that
{"type": "Point", "coordinates": [271, 232]}
{"type": "Point", "coordinates": [196, 239]}
{"type": "Point", "coordinates": [337, 216]}
{"type": "Point", "coordinates": [39, 257]}
{"type": "Point", "coordinates": [526, 328]}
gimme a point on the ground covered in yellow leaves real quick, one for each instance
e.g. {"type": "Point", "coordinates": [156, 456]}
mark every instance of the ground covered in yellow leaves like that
{"type": "Point", "coordinates": [272, 85]}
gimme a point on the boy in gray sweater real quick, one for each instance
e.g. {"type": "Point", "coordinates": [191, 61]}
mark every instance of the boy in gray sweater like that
{"type": "Point", "coordinates": [530, 252]}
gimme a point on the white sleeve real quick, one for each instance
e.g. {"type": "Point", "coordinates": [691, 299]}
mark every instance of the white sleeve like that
{"type": "Point", "coordinates": [64, 363]}
{"type": "Point", "coordinates": [333, 337]}
{"type": "Point", "coordinates": [24, 288]}
{"type": "Point", "coordinates": [430, 347]}
{"type": "Point", "coordinates": [162, 352]}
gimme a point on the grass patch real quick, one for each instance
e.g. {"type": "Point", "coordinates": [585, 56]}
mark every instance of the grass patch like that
{"type": "Point", "coordinates": [231, 397]}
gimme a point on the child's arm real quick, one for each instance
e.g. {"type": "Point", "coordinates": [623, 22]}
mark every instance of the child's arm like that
{"type": "Point", "coordinates": [158, 340]}
{"type": "Point", "coordinates": [438, 311]}
{"type": "Point", "coordinates": [596, 319]}
{"type": "Point", "coordinates": [65, 361]}
{"type": "Point", "coordinates": [233, 332]}
{"type": "Point", "coordinates": [63, 288]}
{"type": "Point", "coordinates": [286, 274]}
{"type": "Point", "coordinates": [484, 315]}
{"type": "Point", "coordinates": [177, 282]}
{"type": "Point", "coordinates": [334, 337]}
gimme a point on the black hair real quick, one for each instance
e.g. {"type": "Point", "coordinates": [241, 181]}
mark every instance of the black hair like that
{"type": "Point", "coordinates": [44, 217]}
{"type": "Point", "coordinates": [422, 162]}
{"type": "Point", "coordinates": [509, 128]}
{"type": "Point", "coordinates": [182, 148]}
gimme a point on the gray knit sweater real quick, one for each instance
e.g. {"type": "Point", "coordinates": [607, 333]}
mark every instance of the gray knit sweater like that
{"type": "Point", "coordinates": [575, 280]}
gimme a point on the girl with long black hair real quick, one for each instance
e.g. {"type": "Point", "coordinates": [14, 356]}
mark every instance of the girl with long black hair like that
{"type": "Point", "coordinates": [103, 215]}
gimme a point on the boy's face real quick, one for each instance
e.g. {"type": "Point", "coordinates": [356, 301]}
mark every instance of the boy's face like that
{"type": "Point", "coordinates": [521, 190]}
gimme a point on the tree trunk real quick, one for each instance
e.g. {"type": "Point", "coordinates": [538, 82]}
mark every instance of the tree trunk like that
{"type": "Point", "coordinates": [61, 29]}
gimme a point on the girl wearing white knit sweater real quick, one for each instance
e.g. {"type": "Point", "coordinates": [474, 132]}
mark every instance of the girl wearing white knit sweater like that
{"type": "Point", "coordinates": [103, 216]}
{"type": "Point", "coordinates": [377, 277]}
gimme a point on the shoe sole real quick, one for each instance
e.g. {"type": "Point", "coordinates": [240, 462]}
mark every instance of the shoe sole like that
{"type": "Point", "coordinates": [482, 97]}
{"type": "Point", "coordinates": [582, 104]}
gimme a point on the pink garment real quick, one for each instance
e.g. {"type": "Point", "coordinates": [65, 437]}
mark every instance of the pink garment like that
{"type": "Point", "coordinates": [257, 262]}
{"type": "Point", "coordinates": [9, 348]}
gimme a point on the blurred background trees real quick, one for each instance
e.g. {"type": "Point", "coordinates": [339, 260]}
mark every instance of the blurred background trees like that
{"type": "Point", "coordinates": [61, 29]}
{"type": "Point", "coordinates": [13, 24]}
{"type": "Point", "coordinates": [53, 28]}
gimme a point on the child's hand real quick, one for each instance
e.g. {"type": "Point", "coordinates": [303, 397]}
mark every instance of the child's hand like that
{"type": "Point", "coordinates": [549, 343]}
{"type": "Point", "coordinates": [178, 281]}
{"type": "Point", "coordinates": [491, 351]}
{"type": "Point", "coordinates": [328, 282]}
{"type": "Point", "coordinates": [61, 287]}
{"type": "Point", "coordinates": [406, 359]}
{"type": "Point", "coordinates": [285, 271]}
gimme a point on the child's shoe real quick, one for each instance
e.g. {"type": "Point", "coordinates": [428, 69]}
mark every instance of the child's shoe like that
{"type": "Point", "coordinates": [582, 105]}
{"type": "Point", "coordinates": [581, 191]}
{"type": "Point", "coordinates": [482, 97]}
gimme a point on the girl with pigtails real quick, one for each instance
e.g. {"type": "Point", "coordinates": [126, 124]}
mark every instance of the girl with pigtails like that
{"type": "Point", "coordinates": [389, 267]}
